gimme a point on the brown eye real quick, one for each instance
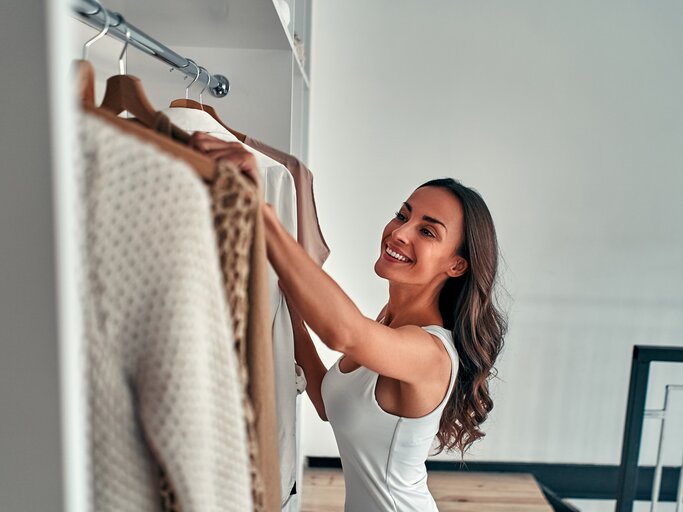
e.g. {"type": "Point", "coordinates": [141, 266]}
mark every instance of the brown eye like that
{"type": "Point", "coordinates": [400, 216]}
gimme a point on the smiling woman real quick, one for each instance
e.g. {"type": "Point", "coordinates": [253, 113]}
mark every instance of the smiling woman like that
{"type": "Point", "coordinates": [445, 225]}
{"type": "Point", "coordinates": [421, 370]}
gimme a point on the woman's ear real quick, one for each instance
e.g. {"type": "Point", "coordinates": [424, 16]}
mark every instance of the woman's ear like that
{"type": "Point", "coordinates": [458, 268]}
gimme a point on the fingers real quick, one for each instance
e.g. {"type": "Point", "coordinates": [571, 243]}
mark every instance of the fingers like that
{"type": "Point", "coordinates": [205, 143]}
{"type": "Point", "coordinates": [221, 150]}
{"type": "Point", "coordinates": [232, 152]}
{"type": "Point", "coordinates": [240, 157]}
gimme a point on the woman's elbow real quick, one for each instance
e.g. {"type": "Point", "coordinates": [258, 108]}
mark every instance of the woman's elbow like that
{"type": "Point", "coordinates": [340, 341]}
{"type": "Point", "coordinates": [337, 344]}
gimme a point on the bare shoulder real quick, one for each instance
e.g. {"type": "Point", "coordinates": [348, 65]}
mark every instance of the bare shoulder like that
{"type": "Point", "coordinates": [421, 333]}
{"type": "Point", "coordinates": [407, 353]}
{"type": "Point", "coordinates": [433, 347]}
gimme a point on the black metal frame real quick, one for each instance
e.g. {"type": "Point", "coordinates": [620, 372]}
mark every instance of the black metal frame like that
{"type": "Point", "coordinates": [635, 413]}
{"type": "Point", "coordinates": [555, 501]}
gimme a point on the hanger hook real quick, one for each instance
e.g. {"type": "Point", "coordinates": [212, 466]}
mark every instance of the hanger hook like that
{"type": "Point", "coordinates": [102, 33]}
{"type": "Point", "coordinates": [124, 63]}
{"type": "Point", "coordinates": [187, 89]}
{"type": "Point", "coordinates": [208, 79]}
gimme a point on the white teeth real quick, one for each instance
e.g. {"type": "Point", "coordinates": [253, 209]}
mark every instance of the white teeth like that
{"type": "Point", "coordinates": [396, 255]}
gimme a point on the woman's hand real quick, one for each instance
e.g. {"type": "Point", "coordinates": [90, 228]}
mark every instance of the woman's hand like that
{"type": "Point", "coordinates": [235, 154]}
{"type": "Point", "coordinates": [231, 152]}
{"type": "Point", "coordinates": [270, 218]}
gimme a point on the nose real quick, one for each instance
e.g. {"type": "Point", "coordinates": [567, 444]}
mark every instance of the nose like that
{"type": "Point", "coordinates": [400, 234]}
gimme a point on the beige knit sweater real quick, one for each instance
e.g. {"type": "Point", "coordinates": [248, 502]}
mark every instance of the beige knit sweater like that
{"type": "Point", "coordinates": [163, 390]}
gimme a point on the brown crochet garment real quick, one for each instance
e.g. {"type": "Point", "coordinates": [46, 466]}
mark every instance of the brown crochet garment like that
{"type": "Point", "coordinates": [235, 206]}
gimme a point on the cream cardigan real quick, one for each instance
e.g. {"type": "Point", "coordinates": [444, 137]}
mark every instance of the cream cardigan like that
{"type": "Point", "coordinates": [163, 389]}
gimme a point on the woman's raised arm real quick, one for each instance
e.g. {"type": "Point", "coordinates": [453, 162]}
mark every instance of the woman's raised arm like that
{"type": "Point", "coordinates": [408, 353]}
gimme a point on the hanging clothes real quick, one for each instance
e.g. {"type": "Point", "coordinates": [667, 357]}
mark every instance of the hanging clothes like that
{"type": "Point", "coordinates": [279, 191]}
{"type": "Point", "coordinates": [163, 387]}
{"type": "Point", "coordinates": [261, 366]}
{"type": "Point", "coordinates": [236, 212]}
{"type": "Point", "coordinates": [309, 234]}
{"type": "Point", "coordinates": [241, 246]}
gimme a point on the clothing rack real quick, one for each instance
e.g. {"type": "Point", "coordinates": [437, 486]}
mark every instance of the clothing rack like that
{"type": "Point", "coordinates": [93, 13]}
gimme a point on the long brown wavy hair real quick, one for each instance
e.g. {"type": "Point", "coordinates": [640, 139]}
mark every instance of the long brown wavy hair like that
{"type": "Point", "coordinates": [468, 306]}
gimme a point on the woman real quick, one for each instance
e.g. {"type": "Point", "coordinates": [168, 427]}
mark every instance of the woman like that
{"type": "Point", "coordinates": [420, 370]}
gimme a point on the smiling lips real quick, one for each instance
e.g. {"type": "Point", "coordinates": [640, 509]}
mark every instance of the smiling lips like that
{"type": "Point", "coordinates": [396, 255]}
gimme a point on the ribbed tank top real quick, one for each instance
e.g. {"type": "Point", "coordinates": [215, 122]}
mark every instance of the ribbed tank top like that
{"type": "Point", "coordinates": [383, 455]}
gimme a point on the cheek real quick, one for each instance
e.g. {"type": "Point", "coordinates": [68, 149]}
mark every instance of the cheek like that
{"type": "Point", "coordinates": [387, 230]}
{"type": "Point", "coordinates": [430, 256]}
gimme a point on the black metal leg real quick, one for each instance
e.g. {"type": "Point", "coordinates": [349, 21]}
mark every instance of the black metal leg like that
{"type": "Point", "coordinates": [635, 413]}
{"type": "Point", "coordinates": [633, 428]}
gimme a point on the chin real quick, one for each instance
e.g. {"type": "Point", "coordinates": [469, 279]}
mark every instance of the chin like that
{"type": "Point", "coordinates": [378, 268]}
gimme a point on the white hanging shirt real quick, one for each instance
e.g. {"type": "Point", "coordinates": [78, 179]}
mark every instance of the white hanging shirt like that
{"type": "Point", "coordinates": [280, 192]}
{"type": "Point", "coordinates": [163, 388]}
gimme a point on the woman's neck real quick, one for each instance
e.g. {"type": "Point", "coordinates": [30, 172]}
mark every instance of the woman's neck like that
{"type": "Point", "coordinates": [410, 305]}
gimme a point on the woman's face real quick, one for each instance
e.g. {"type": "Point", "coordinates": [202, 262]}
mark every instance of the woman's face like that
{"type": "Point", "coordinates": [419, 243]}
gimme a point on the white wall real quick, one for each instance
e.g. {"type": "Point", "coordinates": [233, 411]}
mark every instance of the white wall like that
{"type": "Point", "coordinates": [568, 118]}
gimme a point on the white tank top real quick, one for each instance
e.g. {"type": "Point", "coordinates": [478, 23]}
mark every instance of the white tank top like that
{"type": "Point", "coordinates": [383, 456]}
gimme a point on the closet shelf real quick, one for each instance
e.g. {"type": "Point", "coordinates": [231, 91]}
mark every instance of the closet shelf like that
{"type": "Point", "coordinates": [250, 25]}
{"type": "Point", "coordinates": [290, 40]}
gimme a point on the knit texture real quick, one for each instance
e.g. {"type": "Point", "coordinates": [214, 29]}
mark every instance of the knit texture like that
{"type": "Point", "coordinates": [163, 389]}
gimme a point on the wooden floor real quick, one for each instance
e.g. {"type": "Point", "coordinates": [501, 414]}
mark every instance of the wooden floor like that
{"type": "Point", "coordinates": [453, 491]}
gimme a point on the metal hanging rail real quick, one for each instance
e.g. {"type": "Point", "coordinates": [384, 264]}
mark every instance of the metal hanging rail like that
{"type": "Point", "coordinates": [93, 13]}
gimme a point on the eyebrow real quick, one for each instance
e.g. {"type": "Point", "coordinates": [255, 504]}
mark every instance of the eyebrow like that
{"type": "Point", "coordinates": [425, 217]}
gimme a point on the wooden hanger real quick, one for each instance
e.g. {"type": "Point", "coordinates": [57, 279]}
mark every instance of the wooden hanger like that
{"type": "Point", "coordinates": [188, 103]}
{"type": "Point", "coordinates": [83, 68]}
{"type": "Point", "coordinates": [85, 81]}
{"type": "Point", "coordinates": [202, 165]}
{"type": "Point", "coordinates": [125, 93]}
